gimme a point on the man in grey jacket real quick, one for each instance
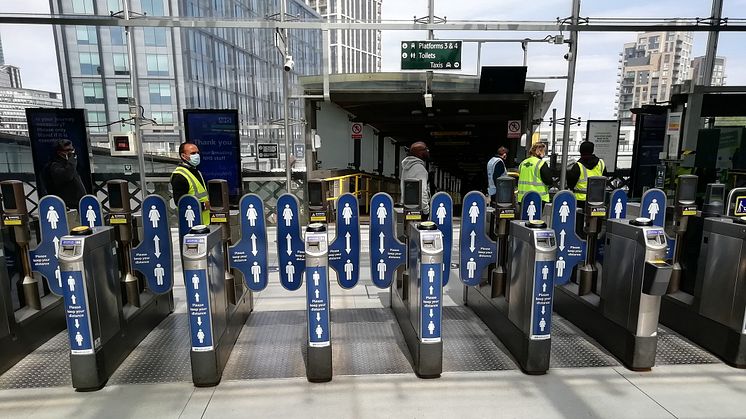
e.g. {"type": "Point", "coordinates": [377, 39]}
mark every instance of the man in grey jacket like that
{"type": "Point", "coordinates": [413, 167]}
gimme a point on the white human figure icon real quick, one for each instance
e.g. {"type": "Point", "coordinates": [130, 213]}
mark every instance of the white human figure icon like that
{"type": "Point", "coordinates": [154, 216]}
{"type": "Point", "coordinates": [53, 217]}
{"type": "Point", "coordinates": [348, 270]}
{"type": "Point", "coordinates": [545, 273]}
{"type": "Point", "coordinates": [201, 336]}
{"type": "Point", "coordinates": [159, 273]}
{"type": "Point", "coordinates": [431, 327]}
{"type": "Point", "coordinates": [189, 216]}
{"type": "Point", "coordinates": [347, 213]}
{"type": "Point", "coordinates": [471, 267]}
{"type": "Point", "coordinates": [441, 213]}
{"type": "Point", "coordinates": [195, 282]}
{"type": "Point", "coordinates": [256, 270]}
{"type": "Point", "coordinates": [618, 208]}
{"type": "Point", "coordinates": [474, 212]}
{"type": "Point", "coordinates": [653, 209]}
{"type": "Point", "coordinates": [319, 331]}
{"type": "Point", "coordinates": [430, 275]}
{"type": "Point", "coordinates": [381, 213]}
{"type": "Point", "coordinates": [71, 283]}
{"type": "Point", "coordinates": [90, 216]}
{"type": "Point", "coordinates": [290, 271]}
{"type": "Point", "coordinates": [531, 211]}
{"type": "Point", "coordinates": [564, 211]}
{"type": "Point", "coordinates": [542, 324]}
{"type": "Point", "coordinates": [316, 278]}
{"type": "Point", "coordinates": [560, 264]}
{"type": "Point", "coordinates": [79, 339]}
{"type": "Point", "coordinates": [58, 276]}
{"type": "Point", "coordinates": [252, 215]}
{"type": "Point", "coordinates": [287, 215]}
{"type": "Point", "coordinates": [381, 268]}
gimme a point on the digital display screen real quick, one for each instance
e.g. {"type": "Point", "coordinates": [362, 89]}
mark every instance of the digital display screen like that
{"type": "Point", "coordinates": [121, 143]}
{"type": "Point", "coordinates": [412, 193]}
{"type": "Point", "coordinates": [596, 190]}
{"type": "Point", "coordinates": [216, 195]}
{"type": "Point", "coordinates": [687, 189]}
{"type": "Point", "coordinates": [115, 195]}
{"type": "Point", "coordinates": [716, 193]}
{"type": "Point", "coordinates": [9, 202]}
{"type": "Point", "coordinates": [193, 240]}
{"type": "Point", "coordinates": [505, 192]}
{"type": "Point", "coordinates": [68, 243]}
{"type": "Point", "coordinates": [315, 195]}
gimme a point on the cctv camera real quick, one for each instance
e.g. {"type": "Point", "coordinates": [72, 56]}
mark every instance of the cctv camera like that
{"type": "Point", "coordinates": [289, 63]}
{"type": "Point", "coordinates": [568, 56]}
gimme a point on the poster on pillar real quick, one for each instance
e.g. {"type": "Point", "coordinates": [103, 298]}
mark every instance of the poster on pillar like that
{"type": "Point", "coordinates": [387, 253]}
{"type": "Point", "coordinates": [541, 309]}
{"type": "Point", "coordinates": [190, 215]}
{"type": "Point", "coordinates": [153, 257]}
{"type": "Point", "coordinates": [53, 225]}
{"type": "Point", "coordinates": [441, 213]}
{"type": "Point", "coordinates": [291, 253]}
{"type": "Point", "coordinates": [653, 206]}
{"type": "Point", "coordinates": [431, 291]}
{"type": "Point", "coordinates": [198, 308]}
{"type": "Point", "coordinates": [77, 315]}
{"type": "Point", "coordinates": [344, 252]}
{"type": "Point", "coordinates": [89, 210]}
{"type": "Point", "coordinates": [605, 137]}
{"type": "Point", "coordinates": [531, 206]}
{"type": "Point", "coordinates": [476, 249]}
{"type": "Point", "coordinates": [317, 300]}
{"type": "Point", "coordinates": [249, 255]}
{"type": "Point", "coordinates": [570, 248]}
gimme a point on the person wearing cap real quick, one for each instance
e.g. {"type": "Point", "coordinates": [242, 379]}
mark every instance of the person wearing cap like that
{"type": "Point", "coordinates": [413, 167]}
{"type": "Point", "coordinates": [535, 175]}
{"type": "Point", "coordinates": [61, 177]}
{"type": "Point", "coordinates": [496, 169]}
{"type": "Point", "coordinates": [186, 179]}
{"type": "Point", "coordinates": [588, 165]}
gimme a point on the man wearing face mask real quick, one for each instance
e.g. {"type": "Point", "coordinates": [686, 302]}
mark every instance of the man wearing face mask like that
{"type": "Point", "coordinates": [61, 176]}
{"type": "Point", "coordinates": [186, 179]}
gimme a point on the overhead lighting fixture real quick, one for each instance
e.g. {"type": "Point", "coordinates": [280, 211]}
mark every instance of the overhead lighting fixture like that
{"type": "Point", "coordinates": [463, 111]}
{"type": "Point", "coordinates": [416, 112]}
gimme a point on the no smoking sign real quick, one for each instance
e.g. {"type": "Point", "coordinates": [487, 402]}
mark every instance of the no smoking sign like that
{"type": "Point", "coordinates": [514, 129]}
{"type": "Point", "coordinates": [356, 128]}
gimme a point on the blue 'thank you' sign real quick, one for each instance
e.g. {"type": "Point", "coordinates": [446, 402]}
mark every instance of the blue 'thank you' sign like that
{"type": "Point", "coordinates": [317, 300]}
{"type": "Point", "coordinates": [76, 312]}
{"type": "Point", "coordinates": [344, 251]}
{"type": "Point", "coordinates": [153, 256]}
{"type": "Point", "coordinates": [387, 253]}
{"type": "Point", "coordinates": [541, 310]}
{"type": "Point", "coordinates": [441, 213]}
{"type": "Point", "coordinates": [476, 249]}
{"type": "Point", "coordinates": [198, 308]}
{"type": "Point", "coordinates": [89, 210]}
{"type": "Point", "coordinates": [53, 224]}
{"type": "Point", "coordinates": [249, 255]}
{"type": "Point", "coordinates": [570, 248]}
{"type": "Point", "coordinates": [531, 206]}
{"type": "Point", "coordinates": [291, 251]}
{"type": "Point", "coordinates": [431, 291]}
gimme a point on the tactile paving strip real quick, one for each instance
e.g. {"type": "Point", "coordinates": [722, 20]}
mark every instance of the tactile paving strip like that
{"type": "Point", "coordinates": [468, 345]}
{"type": "Point", "coordinates": [573, 349]}
{"type": "Point", "coordinates": [676, 350]}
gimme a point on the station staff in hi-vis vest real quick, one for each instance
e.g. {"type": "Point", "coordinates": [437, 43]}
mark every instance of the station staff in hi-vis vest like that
{"type": "Point", "coordinates": [535, 174]}
{"type": "Point", "coordinates": [186, 179]}
{"type": "Point", "coordinates": [588, 165]}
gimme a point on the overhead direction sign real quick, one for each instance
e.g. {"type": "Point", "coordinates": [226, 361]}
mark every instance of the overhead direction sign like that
{"type": "Point", "coordinates": [267, 151]}
{"type": "Point", "coordinates": [431, 55]}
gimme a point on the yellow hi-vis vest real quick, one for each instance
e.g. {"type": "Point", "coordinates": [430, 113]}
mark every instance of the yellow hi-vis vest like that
{"type": "Point", "coordinates": [582, 186]}
{"type": "Point", "coordinates": [529, 179]}
{"type": "Point", "coordinates": [197, 189]}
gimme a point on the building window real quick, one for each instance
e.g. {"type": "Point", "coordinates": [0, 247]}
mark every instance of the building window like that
{"type": "Point", "coordinates": [118, 36]}
{"type": "Point", "coordinates": [123, 93]}
{"type": "Point", "coordinates": [121, 63]}
{"type": "Point", "coordinates": [155, 37]}
{"type": "Point", "coordinates": [89, 63]}
{"type": "Point", "coordinates": [83, 7]}
{"type": "Point", "coordinates": [152, 7]}
{"type": "Point", "coordinates": [115, 6]}
{"type": "Point", "coordinates": [163, 117]}
{"type": "Point", "coordinates": [160, 93]}
{"type": "Point", "coordinates": [96, 121]}
{"type": "Point", "coordinates": [86, 35]}
{"type": "Point", "coordinates": [93, 93]}
{"type": "Point", "coordinates": [157, 64]}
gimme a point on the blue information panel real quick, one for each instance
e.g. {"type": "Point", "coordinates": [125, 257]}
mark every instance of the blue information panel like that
{"type": "Point", "coordinates": [89, 210]}
{"type": "Point", "coordinates": [290, 249]}
{"type": "Point", "coordinates": [344, 251]}
{"type": "Point", "coordinates": [153, 256]}
{"type": "Point", "coordinates": [190, 215]}
{"type": "Point", "coordinates": [442, 215]}
{"type": "Point", "coordinates": [216, 134]}
{"type": "Point", "coordinates": [53, 224]}
{"type": "Point", "coordinates": [531, 207]}
{"type": "Point", "coordinates": [570, 248]}
{"type": "Point", "coordinates": [541, 310]}
{"type": "Point", "coordinates": [431, 291]}
{"type": "Point", "coordinates": [653, 206]}
{"type": "Point", "coordinates": [387, 253]}
{"type": "Point", "coordinates": [618, 205]}
{"type": "Point", "coordinates": [76, 311]}
{"type": "Point", "coordinates": [476, 249]}
{"type": "Point", "coordinates": [249, 255]}
{"type": "Point", "coordinates": [317, 299]}
{"type": "Point", "coordinates": [198, 307]}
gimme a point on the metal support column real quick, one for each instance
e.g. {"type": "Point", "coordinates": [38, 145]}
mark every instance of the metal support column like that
{"type": "Point", "coordinates": [134, 85]}
{"type": "Point", "coordinates": [285, 101]}
{"type": "Point", "coordinates": [712, 42]}
{"type": "Point", "coordinates": [571, 64]}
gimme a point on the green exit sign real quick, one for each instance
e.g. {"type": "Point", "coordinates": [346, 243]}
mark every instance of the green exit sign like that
{"type": "Point", "coordinates": [431, 55]}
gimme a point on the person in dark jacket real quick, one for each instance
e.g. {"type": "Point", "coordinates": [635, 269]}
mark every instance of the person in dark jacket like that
{"type": "Point", "coordinates": [588, 165]}
{"type": "Point", "coordinates": [61, 176]}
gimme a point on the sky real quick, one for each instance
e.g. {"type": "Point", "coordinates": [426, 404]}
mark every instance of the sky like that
{"type": "Point", "coordinates": [31, 47]}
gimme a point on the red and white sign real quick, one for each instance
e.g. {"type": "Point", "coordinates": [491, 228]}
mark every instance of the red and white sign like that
{"type": "Point", "coordinates": [514, 128]}
{"type": "Point", "coordinates": [356, 129]}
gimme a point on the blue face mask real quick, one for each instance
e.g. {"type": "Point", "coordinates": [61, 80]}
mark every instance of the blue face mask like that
{"type": "Point", "coordinates": [194, 160]}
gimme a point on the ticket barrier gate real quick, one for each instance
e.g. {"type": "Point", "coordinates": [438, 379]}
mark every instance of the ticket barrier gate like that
{"type": "Point", "coordinates": [618, 306]}
{"type": "Point", "coordinates": [518, 310]}
{"type": "Point", "coordinates": [31, 312]}
{"type": "Point", "coordinates": [708, 306]}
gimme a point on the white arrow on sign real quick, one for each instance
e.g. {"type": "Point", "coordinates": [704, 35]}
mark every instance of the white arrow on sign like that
{"type": "Point", "coordinates": [253, 244]}
{"type": "Point", "coordinates": [289, 240]}
{"type": "Point", "coordinates": [318, 317]}
{"type": "Point", "coordinates": [473, 241]}
{"type": "Point", "coordinates": [157, 241]}
{"type": "Point", "coordinates": [56, 246]}
{"type": "Point", "coordinates": [199, 321]}
{"type": "Point", "coordinates": [77, 324]}
{"type": "Point", "coordinates": [543, 310]}
{"type": "Point", "coordinates": [316, 292]}
{"type": "Point", "coordinates": [74, 299]}
{"type": "Point", "coordinates": [431, 290]}
{"type": "Point", "coordinates": [431, 313]}
{"type": "Point", "coordinates": [196, 297]}
{"type": "Point", "coordinates": [348, 248]}
{"type": "Point", "coordinates": [380, 242]}
{"type": "Point", "coordinates": [562, 239]}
